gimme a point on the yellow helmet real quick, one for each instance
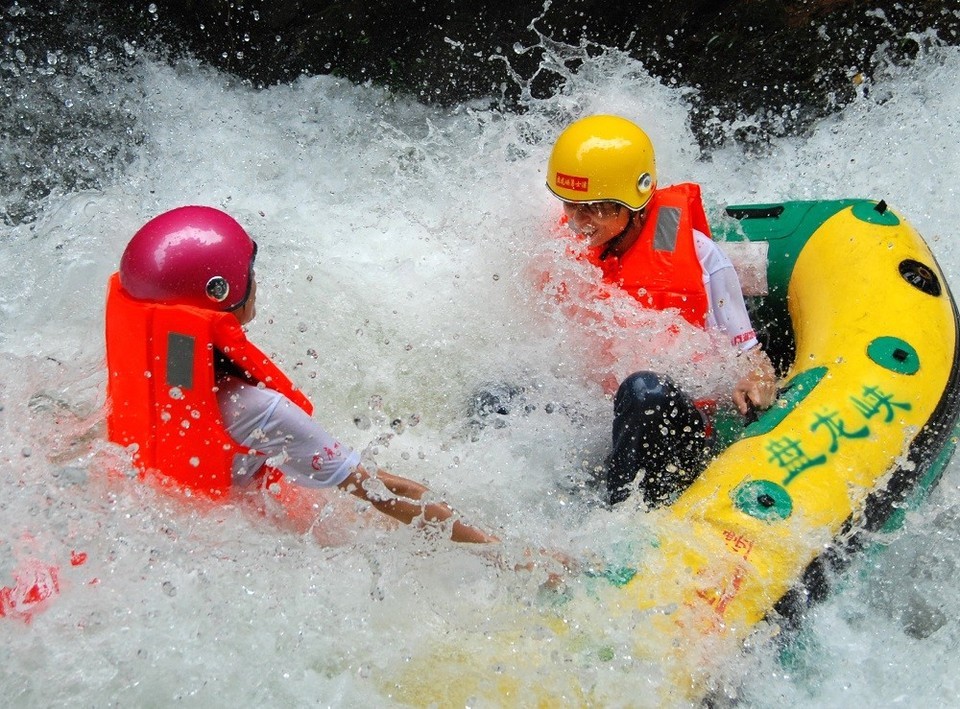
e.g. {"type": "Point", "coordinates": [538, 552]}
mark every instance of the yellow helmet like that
{"type": "Point", "coordinates": [600, 159]}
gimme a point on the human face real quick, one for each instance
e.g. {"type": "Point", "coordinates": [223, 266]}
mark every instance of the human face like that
{"type": "Point", "coordinates": [246, 312]}
{"type": "Point", "coordinates": [599, 222]}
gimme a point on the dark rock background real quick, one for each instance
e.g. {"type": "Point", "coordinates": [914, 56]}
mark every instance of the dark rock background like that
{"type": "Point", "coordinates": [744, 56]}
{"type": "Point", "coordinates": [789, 61]}
{"type": "Point", "coordinates": [780, 64]}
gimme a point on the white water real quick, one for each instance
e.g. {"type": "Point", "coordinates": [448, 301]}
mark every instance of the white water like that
{"type": "Point", "coordinates": [398, 252]}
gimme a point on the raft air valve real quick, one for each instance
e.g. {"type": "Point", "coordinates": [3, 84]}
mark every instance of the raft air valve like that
{"type": "Point", "coordinates": [920, 276]}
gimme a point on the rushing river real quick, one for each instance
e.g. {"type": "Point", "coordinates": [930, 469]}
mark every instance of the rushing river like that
{"type": "Point", "coordinates": [400, 254]}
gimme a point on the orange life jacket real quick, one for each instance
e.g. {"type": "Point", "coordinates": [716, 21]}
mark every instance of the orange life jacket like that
{"type": "Point", "coordinates": [161, 387]}
{"type": "Point", "coordinates": [661, 269]}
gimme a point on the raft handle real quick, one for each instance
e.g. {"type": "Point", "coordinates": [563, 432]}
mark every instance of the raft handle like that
{"type": "Point", "coordinates": [764, 212]}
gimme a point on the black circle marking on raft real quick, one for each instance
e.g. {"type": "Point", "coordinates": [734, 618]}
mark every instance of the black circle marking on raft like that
{"type": "Point", "coordinates": [921, 277]}
{"type": "Point", "coordinates": [894, 354]}
{"type": "Point", "coordinates": [763, 499]}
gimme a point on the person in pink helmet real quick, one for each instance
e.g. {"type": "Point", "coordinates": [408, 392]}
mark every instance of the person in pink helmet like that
{"type": "Point", "coordinates": [197, 403]}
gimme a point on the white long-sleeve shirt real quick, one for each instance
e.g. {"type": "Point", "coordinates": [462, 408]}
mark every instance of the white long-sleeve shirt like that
{"type": "Point", "coordinates": [727, 311]}
{"type": "Point", "coordinates": [281, 434]}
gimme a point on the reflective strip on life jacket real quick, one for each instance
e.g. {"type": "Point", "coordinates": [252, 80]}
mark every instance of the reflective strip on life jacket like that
{"type": "Point", "coordinates": [667, 229]}
{"type": "Point", "coordinates": [161, 387]}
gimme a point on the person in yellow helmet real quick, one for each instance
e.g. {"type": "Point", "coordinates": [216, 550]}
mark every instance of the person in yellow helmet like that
{"type": "Point", "coordinates": [654, 243]}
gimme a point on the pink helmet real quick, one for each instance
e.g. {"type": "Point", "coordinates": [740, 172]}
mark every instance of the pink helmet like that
{"type": "Point", "coordinates": [195, 256]}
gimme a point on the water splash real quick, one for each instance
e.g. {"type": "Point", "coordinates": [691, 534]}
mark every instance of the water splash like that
{"type": "Point", "coordinates": [400, 247]}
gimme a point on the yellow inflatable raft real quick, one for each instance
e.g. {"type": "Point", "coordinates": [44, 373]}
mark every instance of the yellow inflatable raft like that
{"type": "Point", "coordinates": [859, 316]}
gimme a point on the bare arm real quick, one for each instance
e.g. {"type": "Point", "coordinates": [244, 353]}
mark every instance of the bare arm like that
{"type": "Point", "coordinates": [403, 503]}
{"type": "Point", "coordinates": [758, 387]}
